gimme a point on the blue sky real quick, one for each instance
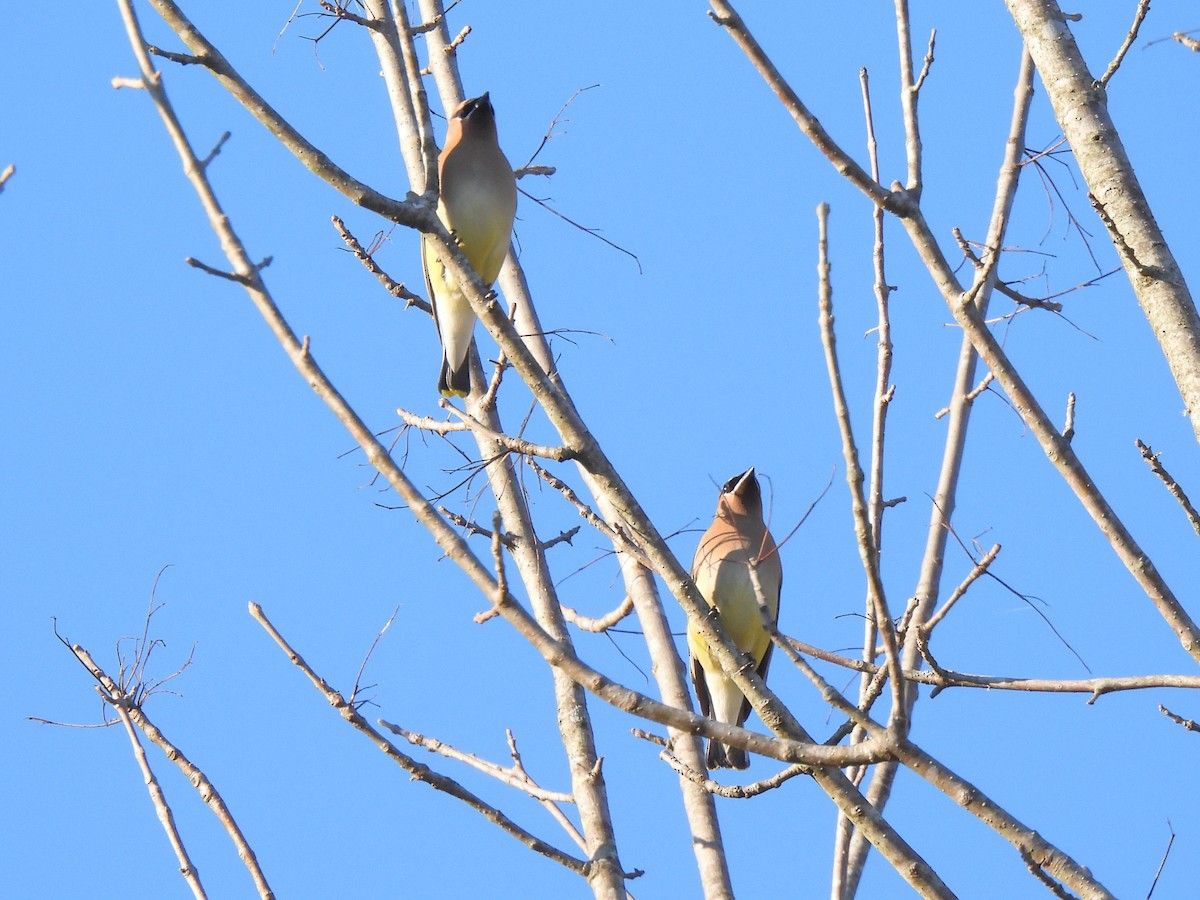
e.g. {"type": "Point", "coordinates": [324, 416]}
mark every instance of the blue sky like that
{"type": "Point", "coordinates": [153, 421]}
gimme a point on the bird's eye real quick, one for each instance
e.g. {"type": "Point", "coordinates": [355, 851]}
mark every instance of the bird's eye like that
{"type": "Point", "coordinates": [730, 484]}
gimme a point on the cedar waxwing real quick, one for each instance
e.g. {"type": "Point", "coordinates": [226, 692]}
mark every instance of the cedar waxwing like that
{"type": "Point", "coordinates": [477, 206]}
{"type": "Point", "coordinates": [721, 571]}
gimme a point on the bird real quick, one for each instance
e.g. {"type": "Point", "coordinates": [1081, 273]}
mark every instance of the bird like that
{"type": "Point", "coordinates": [477, 204]}
{"type": "Point", "coordinates": [737, 537]}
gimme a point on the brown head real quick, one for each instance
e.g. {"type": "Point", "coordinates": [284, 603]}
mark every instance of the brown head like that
{"type": "Point", "coordinates": [472, 120]}
{"type": "Point", "coordinates": [741, 496]}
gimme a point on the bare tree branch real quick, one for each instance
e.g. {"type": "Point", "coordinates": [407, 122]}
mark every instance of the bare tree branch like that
{"type": "Point", "coordinates": [514, 776]}
{"type": "Point", "coordinates": [186, 868]}
{"type": "Point", "coordinates": [393, 287]}
{"type": "Point", "coordinates": [416, 213]}
{"type": "Point", "coordinates": [1024, 839]}
{"type": "Point", "coordinates": [1188, 724]}
{"type": "Point", "coordinates": [863, 531]}
{"type": "Point", "coordinates": [603, 623]}
{"type": "Point", "coordinates": [1163, 862]}
{"type": "Point", "coordinates": [517, 551]}
{"type": "Point", "coordinates": [418, 771]}
{"type": "Point", "coordinates": [1191, 43]}
{"type": "Point", "coordinates": [1139, 15]}
{"type": "Point", "coordinates": [1172, 485]}
{"type": "Point", "coordinates": [945, 678]}
{"type": "Point", "coordinates": [120, 699]}
{"type": "Point", "coordinates": [733, 791]}
{"type": "Point", "coordinates": [894, 201]}
{"type": "Point", "coordinates": [1081, 108]}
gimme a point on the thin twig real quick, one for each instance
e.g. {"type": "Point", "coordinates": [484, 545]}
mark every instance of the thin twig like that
{"type": "Point", "coordinates": [868, 553]}
{"type": "Point", "coordinates": [909, 94]}
{"type": "Point", "coordinates": [514, 444]}
{"type": "Point", "coordinates": [1163, 862]}
{"type": "Point", "coordinates": [1038, 871]}
{"type": "Point", "coordinates": [513, 776]}
{"type": "Point", "coordinates": [286, 25]}
{"type": "Point", "coordinates": [883, 366]}
{"type": "Point", "coordinates": [1191, 43]}
{"type": "Point", "coordinates": [1143, 7]}
{"type": "Point", "coordinates": [418, 771]}
{"type": "Point", "coordinates": [212, 154]}
{"type": "Point", "coordinates": [1025, 598]}
{"type": "Point", "coordinates": [236, 277]}
{"type": "Point", "coordinates": [604, 622]}
{"type": "Point", "coordinates": [871, 688]}
{"type": "Point", "coordinates": [1068, 431]}
{"type": "Point", "coordinates": [552, 807]}
{"type": "Point", "coordinates": [946, 678]}
{"type": "Point", "coordinates": [472, 527]}
{"type": "Point", "coordinates": [1172, 485]}
{"type": "Point", "coordinates": [418, 213]}
{"type": "Point", "coordinates": [1188, 724]}
{"type": "Point", "coordinates": [1032, 302]}
{"type": "Point", "coordinates": [467, 422]}
{"type": "Point", "coordinates": [395, 288]}
{"type": "Point", "coordinates": [927, 63]}
{"type": "Point", "coordinates": [976, 572]}
{"type": "Point", "coordinates": [591, 232]}
{"type": "Point", "coordinates": [563, 537]}
{"type": "Point", "coordinates": [554, 123]}
{"type": "Point", "coordinates": [970, 397]}
{"type": "Point", "coordinates": [588, 513]}
{"type": "Point", "coordinates": [117, 697]}
{"type": "Point", "coordinates": [165, 816]}
{"type": "Point", "coordinates": [367, 657]}
{"type": "Point", "coordinates": [501, 574]}
{"type": "Point", "coordinates": [733, 791]}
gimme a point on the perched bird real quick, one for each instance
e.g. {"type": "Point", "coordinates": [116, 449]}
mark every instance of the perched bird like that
{"type": "Point", "coordinates": [721, 570]}
{"type": "Point", "coordinates": [477, 205]}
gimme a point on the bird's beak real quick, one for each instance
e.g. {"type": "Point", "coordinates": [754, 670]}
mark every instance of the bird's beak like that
{"type": "Point", "coordinates": [746, 478]}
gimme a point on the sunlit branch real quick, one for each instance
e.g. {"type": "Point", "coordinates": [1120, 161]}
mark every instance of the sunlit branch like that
{"type": "Point", "coordinates": [601, 623]}
{"type": "Point", "coordinates": [910, 88]}
{"type": "Point", "coordinates": [514, 776]}
{"type": "Point", "coordinates": [415, 213]}
{"type": "Point", "coordinates": [963, 393]}
{"type": "Point", "coordinates": [1139, 16]}
{"type": "Point", "coordinates": [978, 571]}
{"type": "Point", "coordinates": [395, 288]}
{"type": "Point", "coordinates": [1187, 724]}
{"type": "Point", "coordinates": [1080, 107]}
{"type": "Point", "coordinates": [863, 532]}
{"type": "Point", "coordinates": [733, 791]}
{"type": "Point", "coordinates": [1024, 839]}
{"type": "Point", "coordinates": [417, 770]}
{"type": "Point", "coordinates": [870, 689]}
{"type": "Point", "coordinates": [186, 868]}
{"type": "Point", "coordinates": [894, 201]}
{"type": "Point", "coordinates": [1191, 43]}
{"type": "Point", "coordinates": [946, 678]}
{"type": "Point", "coordinates": [1171, 484]}
{"type": "Point", "coordinates": [115, 695]}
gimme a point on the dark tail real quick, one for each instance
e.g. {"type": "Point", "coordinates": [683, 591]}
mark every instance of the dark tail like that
{"type": "Point", "coordinates": [456, 383]}
{"type": "Point", "coordinates": [720, 756]}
